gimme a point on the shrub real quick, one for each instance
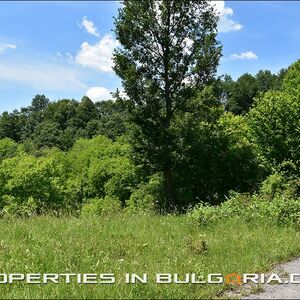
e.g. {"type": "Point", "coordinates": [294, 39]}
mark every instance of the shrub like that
{"type": "Point", "coordinates": [291, 80]}
{"type": "Point", "coordinates": [217, 157]}
{"type": "Point", "coordinates": [8, 148]}
{"type": "Point", "coordinates": [274, 123]}
{"type": "Point", "coordinates": [14, 206]}
{"type": "Point", "coordinates": [281, 183]}
{"type": "Point", "coordinates": [269, 206]}
{"type": "Point", "coordinates": [204, 213]}
{"type": "Point", "coordinates": [102, 168]}
{"type": "Point", "coordinates": [273, 184]}
{"type": "Point", "coordinates": [147, 198]}
{"type": "Point", "coordinates": [34, 182]}
{"type": "Point", "coordinates": [101, 206]}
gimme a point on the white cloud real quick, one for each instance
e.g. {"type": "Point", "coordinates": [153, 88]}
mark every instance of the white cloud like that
{"type": "Point", "coordinates": [226, 24]}
{"type": "Point", "coordinates": [42, 76]}
{"type": "Point", "coordinates": [99, 55]}
{"type": "Point", "coordinates": [89, 26]}
{"type": "Point", "coordinates": [249, 55]}
{"type": "Point", "coordinates": [98, 94]}
{"type": "Point", "coordinates": [4, 47]}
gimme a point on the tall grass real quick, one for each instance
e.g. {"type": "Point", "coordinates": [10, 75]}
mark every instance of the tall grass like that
{"type": "Point", "coordinates": [136, 244]}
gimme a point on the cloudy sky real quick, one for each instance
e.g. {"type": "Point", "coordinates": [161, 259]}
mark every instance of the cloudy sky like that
{"type": "Point", "coordinates": [63, 49]}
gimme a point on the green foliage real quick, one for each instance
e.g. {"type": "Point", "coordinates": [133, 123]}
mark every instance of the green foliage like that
{"type": "Point", "coordinates": [101, 207]}
{"type": "Point", "coordinates": [8, 148]}
{"type": "Point", "coordinates": [52, 180]}
{"type": "Point", "coordinates": [217, 154]}
{"type": "Point", "coordinates": [14, 207]}
{"type": "Point", "coordinates": [214, 155]}
{"type": "Point", "coordinates": [59, 124]}
{"type": "Point", "coordinates": [273, 184]}
{"type": "Point", "coordinates": [266, 81]}
{"type": "Point", "coordinates": [161, 75]}
{"type": "Point", "coordinates": [113, 118]}
{"type": "Point", "coordinates": [36, 183]}
{"type": "Point", "coordinates": [170, 143]}
{"type": "Point", "coordinates": [279, 210]}
{"type": "Point", "coordinates": [274, 121]}
{"type": "Point", "coordinates": [102, 167]}
{"type": "Point", "coordinates": [238, 96]}
{"type": "Point", "coordinates": [47, 135]}
{"type": "Point", "coordinates": [281, 183]}
{"type": "Point", "coordinates": [11, 125]}
{"type": "Point", "coordinates": [278, 202]}
{"type": "Point", "coordinates": [148, 197]}
{"type": "Point", "coordinates": [291, 79]}
{"type": "Point", "coordinates": [242, 94]}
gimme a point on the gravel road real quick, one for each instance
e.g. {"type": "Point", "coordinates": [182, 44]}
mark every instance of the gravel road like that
{"type": "Point", "coordinates": [281, 291]}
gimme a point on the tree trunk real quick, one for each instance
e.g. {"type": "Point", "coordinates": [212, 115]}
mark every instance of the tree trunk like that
{"type": "Point", "coordinates": [171, 197]}
{"type": "Point", "coordinates": [169, 184]}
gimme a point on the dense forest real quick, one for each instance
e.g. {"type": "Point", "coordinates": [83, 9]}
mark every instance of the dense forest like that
{"type": "Point", "coordinates": [181, 136]}
{"type": "Point", "coordinates": [46, 124]}
{"type": "Point", "coordinates": [58, 156]}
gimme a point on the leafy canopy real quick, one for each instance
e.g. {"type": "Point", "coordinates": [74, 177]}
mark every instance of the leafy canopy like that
{"type": "Point", "coordinates": [169, 51]}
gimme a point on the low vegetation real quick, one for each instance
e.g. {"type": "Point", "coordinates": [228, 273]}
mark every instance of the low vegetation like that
{"type": "Point", "coordinates": [277, 202]}
{"type": "Point", "coordinates": [122, 244]}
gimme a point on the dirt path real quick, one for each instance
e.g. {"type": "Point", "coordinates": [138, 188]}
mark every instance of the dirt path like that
{"type": "Point", "coordinates": [281, 291]}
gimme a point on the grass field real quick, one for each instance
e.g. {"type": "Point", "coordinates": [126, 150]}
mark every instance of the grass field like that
{"type": "Point", "coordinates": [128, 244]}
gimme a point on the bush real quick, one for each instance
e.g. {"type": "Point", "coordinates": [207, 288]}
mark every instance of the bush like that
{"type": "Point", "coordinates": [291, 80]}
{"type": "Point", "coordinates": [101, 206]}
{"type": "Point", "coordinates": [102, 168]}
{"type": "Point", "coordinates": [8, 148]}
{"type": "Point", "coordinates": [274, 123]}
{"type": "Point", "coordinates": [36, 183]}
{"type": "Point", "coordinates": [217, 157]}
{"type": "Point", "coordinates": [147, 198]}
{"type": "Point", "coordinates": [276, 202]}
{"type": "Point", "coordinates": [274, 184]}
{"type": "Point", "coordinates": [281, 183]}
{"type": "Point", "coordinates": [17, 207]}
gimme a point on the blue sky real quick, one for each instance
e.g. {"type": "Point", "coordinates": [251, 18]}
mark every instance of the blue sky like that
{"type": "Point", "coordinates": [63, 49]}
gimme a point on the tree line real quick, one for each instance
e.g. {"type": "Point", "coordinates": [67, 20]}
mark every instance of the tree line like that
{"type": "Point", "coordinates": [181, 136]}
{"type": "Point", "coordinates": [60, 123]}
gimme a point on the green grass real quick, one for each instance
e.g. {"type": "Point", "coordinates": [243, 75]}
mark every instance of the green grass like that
{"type": "Point", "coordinates": [136, 244]}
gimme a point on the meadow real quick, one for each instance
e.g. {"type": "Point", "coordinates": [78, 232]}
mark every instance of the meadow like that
{"type": "Point", "coordinates": [124, 243]}
{"type": "Point", "coordinates": [181, 171]}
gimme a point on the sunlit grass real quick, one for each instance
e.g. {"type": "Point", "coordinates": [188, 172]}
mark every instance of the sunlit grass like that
{"type": "Point", "coordinates": [136, 244]}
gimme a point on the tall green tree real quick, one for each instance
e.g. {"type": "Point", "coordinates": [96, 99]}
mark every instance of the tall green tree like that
{"type": "Point", "coordinates": [11, 125]}
{"type": "Point", "coordinates": [266, 81]}
{"type": "Point", "coordinates": [274, 120]}
{"type": "Point", "coordinates": [169, 52]}
{"type": "Point", "coordinates": [291, 79]}
{"type": "Point", "coordinates": [39, 103]}
{"type": "Point", "coordinates": [224, 86]}
{"type": "Point", "coordinates": [243, 93]}
{"type": "Point", "coordinates": [275, 124]}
